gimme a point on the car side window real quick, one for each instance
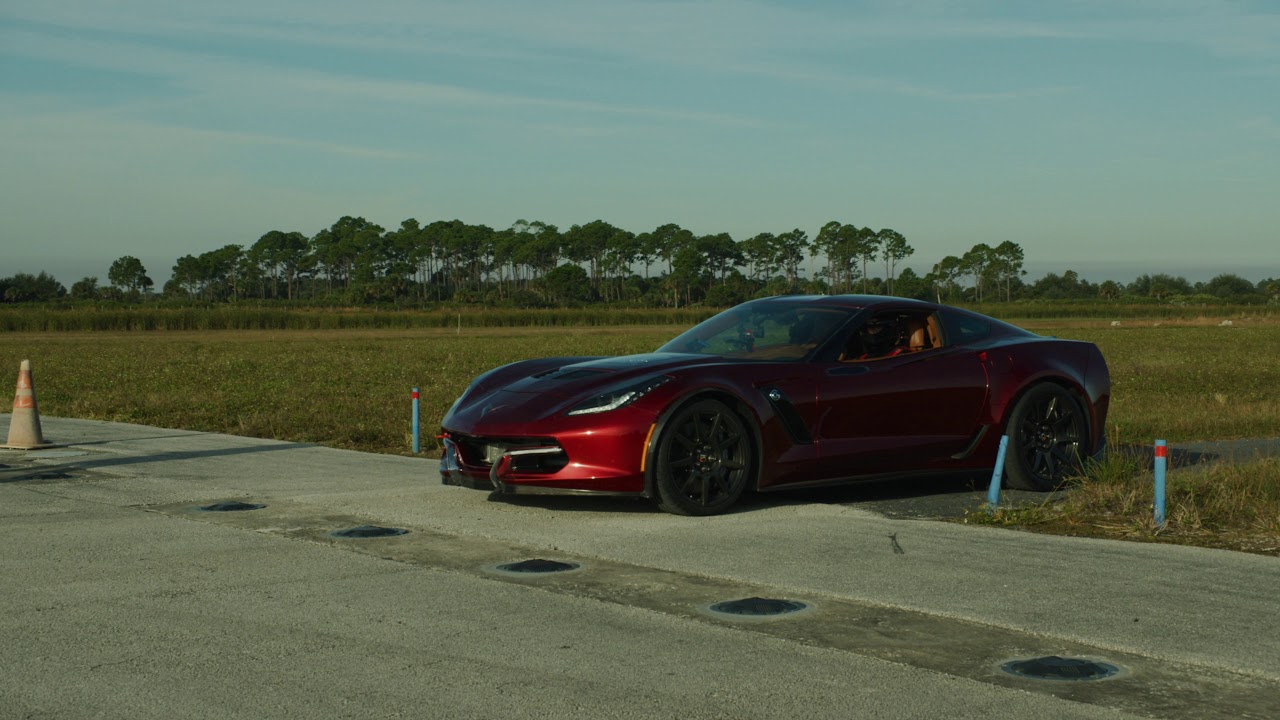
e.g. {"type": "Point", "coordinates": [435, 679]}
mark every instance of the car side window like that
{"type": "Point", "coordinates": [961, 329]}
{"type": "Point", "coordinates": [892, 334]}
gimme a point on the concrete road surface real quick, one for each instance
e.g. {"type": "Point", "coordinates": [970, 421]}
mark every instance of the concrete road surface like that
{"type": "Point", "coordinates": [121, 599]}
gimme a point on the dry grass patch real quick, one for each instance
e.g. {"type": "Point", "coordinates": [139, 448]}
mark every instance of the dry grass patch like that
{"type": "Point", "coordinates": [1223, 504]}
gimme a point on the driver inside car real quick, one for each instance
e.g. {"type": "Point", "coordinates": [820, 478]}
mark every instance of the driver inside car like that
{"type": "Point", "coordinates": [879, 338]}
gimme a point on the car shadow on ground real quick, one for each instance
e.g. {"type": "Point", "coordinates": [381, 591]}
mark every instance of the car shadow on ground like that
{"type": "Point", "coordinates": [930, 497]}
{"type": "Point", "coordinates": [910, 497]}
{"type": "Point", "coordinates": [578, 503]}
{"type": "Point", "coordinates": [934, 497]}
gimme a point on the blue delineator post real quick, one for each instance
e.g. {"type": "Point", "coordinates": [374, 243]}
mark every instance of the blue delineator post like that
{"type": "Point", "coordinates": [415, 422]}
{"type": "Point", "coordinates": [993, 492]}
{"type": "Point", "coordinates": [1162, 452]}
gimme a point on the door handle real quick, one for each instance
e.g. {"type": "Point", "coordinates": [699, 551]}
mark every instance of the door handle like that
{"type": "Point", "coordinates": [850, 370]}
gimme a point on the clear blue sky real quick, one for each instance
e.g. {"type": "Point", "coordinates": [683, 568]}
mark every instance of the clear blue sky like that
{"type": "Point", "coordinates": [1113, 137]}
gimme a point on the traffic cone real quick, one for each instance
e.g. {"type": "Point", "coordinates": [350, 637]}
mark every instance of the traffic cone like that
{"type": "Point", "coordinates": [24, 424]}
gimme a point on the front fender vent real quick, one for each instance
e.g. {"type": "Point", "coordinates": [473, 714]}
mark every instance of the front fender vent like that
{"type": "Point", "coordinates": [786, 412]}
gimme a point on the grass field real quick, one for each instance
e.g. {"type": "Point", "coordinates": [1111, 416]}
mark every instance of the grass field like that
{"type": "Point", "coordinates": [1186, 380]}
{"type": "Point", "coordinates": [347, 389]}
{"type": "Point", "coordinates": [84, 316]}
{"type": "Point", "coordinates": [1179, 380]}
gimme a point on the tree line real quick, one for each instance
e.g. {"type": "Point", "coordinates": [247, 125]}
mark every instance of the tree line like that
{"type": "Point", "coordinates": [535, 264]}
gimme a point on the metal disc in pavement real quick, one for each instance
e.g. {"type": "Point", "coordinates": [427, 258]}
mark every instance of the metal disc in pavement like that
{"type": "Point", "coordinates": [538, 566]}
{"type": "Point", "coordinates": [368, 531]}
{"type": "Point", "coordinates": [230, 506]}
{"type": "Point", "coordinates": [757, 607]}
{"type": "Point", "coordinates": [1053, 667]}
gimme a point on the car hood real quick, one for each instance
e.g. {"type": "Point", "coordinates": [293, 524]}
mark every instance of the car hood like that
{"type": "Point", "coordinates": [549, 387]}
{"type": "Point", "coordinates": [582, 379]}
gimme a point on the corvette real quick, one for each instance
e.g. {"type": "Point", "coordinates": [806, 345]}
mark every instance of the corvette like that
{"type": "Point", "coordinates": [785, 392]}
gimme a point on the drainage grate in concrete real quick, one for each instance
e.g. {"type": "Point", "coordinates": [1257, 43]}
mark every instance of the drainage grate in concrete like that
{"type": "Point", "coordinates": [230, 506]}
{"type": "Point", "coordinates": [368, 531]}
{"type": "Point", "coordinates": [538, 566]}
{"type": "Point", "coordinates": [1054, 667]}
{"type": "Point", "coordinates": [757, 607]}
{"type": "Point", "coordinates": [50, 476]}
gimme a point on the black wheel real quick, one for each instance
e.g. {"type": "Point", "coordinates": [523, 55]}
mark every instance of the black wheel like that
{"type": "Point", "coordinates": [703, 460]}
{"type": "Point", "coordinates": [1048, 435]}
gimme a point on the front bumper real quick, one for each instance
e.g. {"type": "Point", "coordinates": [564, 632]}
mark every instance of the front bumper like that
{"type": "Point", "coordinates": [541, 466]}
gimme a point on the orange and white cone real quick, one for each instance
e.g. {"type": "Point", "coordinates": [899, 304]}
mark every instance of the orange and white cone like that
{"type": "Point", "coordinates": [24, 424]}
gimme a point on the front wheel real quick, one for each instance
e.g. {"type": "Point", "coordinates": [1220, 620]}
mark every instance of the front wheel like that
{"type": "Point", "coordinates": [1048, 433]}
{"type": "Point", "coordinates": [703, 461]}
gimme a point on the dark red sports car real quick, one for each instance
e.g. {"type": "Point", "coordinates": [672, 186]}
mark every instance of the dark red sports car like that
{"type": "Point", "coordinates": [785, 392]}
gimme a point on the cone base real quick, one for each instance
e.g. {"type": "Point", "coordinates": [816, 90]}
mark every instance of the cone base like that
{"type": "Point", "coordinates": [41, 446]}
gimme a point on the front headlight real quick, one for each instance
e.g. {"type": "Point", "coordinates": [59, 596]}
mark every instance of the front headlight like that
{"type": "Point", "coordinates": [618, 397]}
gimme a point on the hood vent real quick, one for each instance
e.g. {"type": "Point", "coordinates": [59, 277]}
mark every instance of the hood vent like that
{"type": "Point", "coordinates": [570, 373]}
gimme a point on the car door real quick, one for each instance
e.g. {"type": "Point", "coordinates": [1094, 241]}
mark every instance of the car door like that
{"type": "Point", "coordinates": [898, 413]}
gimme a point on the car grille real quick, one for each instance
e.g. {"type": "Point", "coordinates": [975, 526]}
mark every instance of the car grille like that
{"type": "Point", "coordinates": [484, 452]}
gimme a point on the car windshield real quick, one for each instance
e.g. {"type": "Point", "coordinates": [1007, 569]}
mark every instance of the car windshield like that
{"type": "Point", "coordinates": [761, 331]}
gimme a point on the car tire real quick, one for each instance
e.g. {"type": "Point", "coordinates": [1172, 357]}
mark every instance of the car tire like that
{"type": "Point", "coordinates": [703, 460]}
{"type": "Point", "coordinates": [1048, 438]}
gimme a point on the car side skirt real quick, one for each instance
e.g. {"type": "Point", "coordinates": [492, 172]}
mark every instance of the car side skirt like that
{"type": "Point", "coordinates": [877, 477]}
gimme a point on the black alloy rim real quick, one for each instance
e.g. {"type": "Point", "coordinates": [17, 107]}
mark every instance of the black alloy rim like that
{"type": "Point", "coordinates": [1049, 436]}
{"type": "Point", "coordinates": [707, 457]}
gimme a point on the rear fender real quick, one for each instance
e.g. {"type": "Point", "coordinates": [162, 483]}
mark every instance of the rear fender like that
{"type": "Point", "coordinates": [1074, 358]}
{"type": "Point", "coordinates": [1097, 386]}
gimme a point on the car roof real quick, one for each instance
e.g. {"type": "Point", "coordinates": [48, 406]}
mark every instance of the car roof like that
{"type": "Point", "coordinates": [853, 302]}
{"type": "Point", "coordinates": [862, 302]}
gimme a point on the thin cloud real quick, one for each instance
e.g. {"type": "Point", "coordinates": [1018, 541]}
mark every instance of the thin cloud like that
{"type": "Point", "coordinates": [711, 33]}
{"type": "Point", "coordinates": [106, 128]}
{"type": "Point", "coordinates": [221, 77]}
{"type": "Point", "coordinates": [820, 76]}
{"type": "Point", "coordinates": [1262, 125]}
{"type": "Point", "coordinates": [789, 42]}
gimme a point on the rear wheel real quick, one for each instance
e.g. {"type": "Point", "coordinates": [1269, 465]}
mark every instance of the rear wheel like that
{"type": "Point", "coordinates": [1048, 435]}
{"type": "Point", "coordinates": [703, 461]}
